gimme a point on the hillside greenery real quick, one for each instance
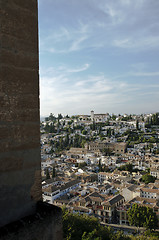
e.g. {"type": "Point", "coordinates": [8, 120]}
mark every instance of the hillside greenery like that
{"type": "Point", "coordinates": [142, 216]}
{"type": "Point", "coordinates": [84, 227]}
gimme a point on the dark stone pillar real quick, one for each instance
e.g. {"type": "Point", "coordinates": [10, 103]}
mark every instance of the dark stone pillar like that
{"type": "Point", "coordinates": [20, 177]}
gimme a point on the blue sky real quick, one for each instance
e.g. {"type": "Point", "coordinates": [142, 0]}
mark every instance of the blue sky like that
{"type": "Point", "coordinates": [100, 55]}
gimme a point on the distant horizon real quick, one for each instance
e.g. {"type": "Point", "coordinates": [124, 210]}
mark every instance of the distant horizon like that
{"type": "Point", "coordinates": [100, 55]}
{"type": "Point", "coordinates": [97, 113]}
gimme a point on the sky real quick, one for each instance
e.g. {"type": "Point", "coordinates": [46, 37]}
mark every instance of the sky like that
{"type": "Point", "coordinates": [100, 55]}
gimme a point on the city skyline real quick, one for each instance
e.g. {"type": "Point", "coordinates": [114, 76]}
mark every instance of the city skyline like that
{"type": "Point", "coordinates": [99, 56]}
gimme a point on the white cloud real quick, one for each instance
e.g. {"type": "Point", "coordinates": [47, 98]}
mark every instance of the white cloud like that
{"type": "Point", "coordinates": [65, 40]}
{"type": "Point", "coordinates": [76, 70]}
{"type": "Point", "coordinates": [79, 93]}
{"type": "Point", "coordinates": [62, 71]}
{"type": "Point", "coordinates": [146, 74]}
{"type": "Point", "coordinates": [133, 24]}
{"type": "Point", "coordinates": [75, 95]}
{"type": "Point", "coordinates": [97, 32]}
{"type": "Point", "coordinates": [76, 45]}
{"type": "Point", "coordinates": [137, 43]}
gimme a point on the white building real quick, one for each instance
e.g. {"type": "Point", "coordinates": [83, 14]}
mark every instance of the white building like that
{"type": "Point", "coordinates": [97, 118]}
{"type": "Point", "coordinates": [130, 192]}
{"type": "Point", "coordinates": [102, 176]}
{"type": "Point", "coordinates": [53, 192]}
{"type": "Point", "coordinates": [155, 172]}
{"type": "Point", "coordinates": [149, 193]}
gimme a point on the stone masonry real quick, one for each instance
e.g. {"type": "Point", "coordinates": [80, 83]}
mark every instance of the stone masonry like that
{"type": "Point", "coordinates": [45, 224]}
{"type": "Point", "coordinates": [20, 178]}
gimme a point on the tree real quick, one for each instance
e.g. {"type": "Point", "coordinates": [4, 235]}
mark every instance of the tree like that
{"type": "Point", "coordinates": [70, 122]}
{"type": "Point", "coordinates": [155, 119]}
{"type": "Point", "coordinates": [100, 130]}
{"type": "Point", "coordinates": [82, 164]}
{"type": "Point", "coordinates": [135, 216]}
{"type": "Point", "coordinates": [106, 151]}
{"type": "Point", "coordinates": [46, 119]}
{"type": "Point", "coordinates": [83, 227]}
{"type": "Point", "coordinates": [47, 174]}
{"type": "Point", "coordinates": [53, 172]}
{"type": "Point", "coordinates": [52, 128]}
{"type": "Point", "coordinates": [152, 139]}
{"type": "Point", "coordinates": [114, 117]}
{"type": "Point", "coordinates": [60, 116]}
{"type": "Point", "coordinates": [119, 235]}
{"type": "Point", "coordinates": [126, 167]}
{"type": "Point", "coordinates": [105, 169]}
{"type": "Point", "coordinates": [52, 117]}
{"type": "Point", "coordinates": [49, 128]}
{"type": "Point", "coordinates": [151, 221]}
{"type": "Point", "coordinates": [109, 132]}
{"type": "Point", "coordinates": [83, 143]}
{"type": "Point", "coordinates": [137, 124]}
{"type": "Point", "coordinates": [91, 236]}
{"type": "Point", "coordinates": [84, 132]}
{"type": "Point", "coordinates": [100, 166]}
{"type": "Point", "coordinates": [141, 216]}
{"type": "Point", "coordinates": [147, 178]}
{"type": "Point", "coordinates": [93, 126]}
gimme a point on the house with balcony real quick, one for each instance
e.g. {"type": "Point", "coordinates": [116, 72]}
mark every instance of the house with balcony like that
{"type": "Point", "coordinates": [107, 212]}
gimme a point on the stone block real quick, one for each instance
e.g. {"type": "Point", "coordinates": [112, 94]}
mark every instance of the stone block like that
{"type": "Point", "coordinates": [20, 181]}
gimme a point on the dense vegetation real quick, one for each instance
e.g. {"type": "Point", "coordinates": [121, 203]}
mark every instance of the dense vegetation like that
{"type": "Point", "coordinates": [135, 137]}
{"type": "Point", "coordinates": [83, 227]}
{"type": "Point", "coordinates": [126, 167]}
{"type": "Point", "coordinates": [65, 125]}
{"type": "Point", "coordinates": [154, 120]}
{"type": "Point", "coordinates": [147, 178]}
{"type": "Point", "coordinates": [141, 216]}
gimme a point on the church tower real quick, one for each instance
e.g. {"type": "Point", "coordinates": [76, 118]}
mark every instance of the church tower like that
{"type": "Point", "coordinates": [92, 115]}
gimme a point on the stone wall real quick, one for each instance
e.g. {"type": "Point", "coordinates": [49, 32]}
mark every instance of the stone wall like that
{"type": "Point", "coordinates": [20, 177]}
{"type": "Point", "coordinates": [45, 224]}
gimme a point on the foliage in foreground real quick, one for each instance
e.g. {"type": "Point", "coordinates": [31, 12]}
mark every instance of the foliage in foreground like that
{"type": "Point", "coordinates": [83, 227]}
{"type": "Point", "coordinates": [141, 216]}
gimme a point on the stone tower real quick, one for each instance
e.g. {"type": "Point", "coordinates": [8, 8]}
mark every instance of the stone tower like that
{"type": "Point", "coordinates": [20, 181]}
{"type": "Point", "coordinates": [92, 115]}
